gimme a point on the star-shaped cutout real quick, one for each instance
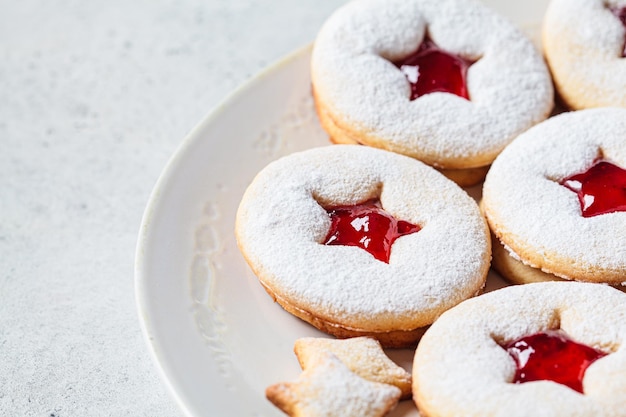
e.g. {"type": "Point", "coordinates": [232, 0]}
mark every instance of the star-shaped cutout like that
{"type": "Point", "coordinates": [367, 226]}
{"type": "Point", "coordinates": [601, 189]}
{"type": "Point", "coordinates": [552, 356]}
{"type": "Point", "coordinates": [431, 69]}
{"type": "Point", "coordinates": [328, 388]}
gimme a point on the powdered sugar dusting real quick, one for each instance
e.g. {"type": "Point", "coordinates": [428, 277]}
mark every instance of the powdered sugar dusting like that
{"type": "Point", "coordinates": [281, 224]}
{"type": "Point", "coordinates": [531, 213]}
{"type": "Point", "coordinates": [584, 43]}
{"type": "Point", "coordinates": [448, 381]}
{"type": "Point", "coordinates": [509, 85]}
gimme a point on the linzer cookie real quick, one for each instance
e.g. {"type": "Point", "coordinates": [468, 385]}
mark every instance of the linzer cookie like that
{"type": "Point", "coordinates": [556, 199]}
{"type": "Point", "coordinates": [447, 82]}
{"type": "Point", "coordinates": [585, 46]}
{"type": "Point", "coordinates": [362, 242]}
{"type": "Point", "coordinates": [550, 349]}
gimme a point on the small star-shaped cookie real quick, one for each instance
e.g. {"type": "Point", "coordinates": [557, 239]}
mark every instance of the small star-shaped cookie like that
{"type": "Point", "coordinates": [362, 355]}
{"type": "Point", "coordinates": [327, 388]}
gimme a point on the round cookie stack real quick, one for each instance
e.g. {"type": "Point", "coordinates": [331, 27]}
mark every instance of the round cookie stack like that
{"type": "Point", "coordinates": [461, 367]}
{"type": "Point", "coordinates": [283, 221]}
{"type": "Point", "coordinates": [363, 97]}
{"type": "Point", "coordinates": [538, 220]}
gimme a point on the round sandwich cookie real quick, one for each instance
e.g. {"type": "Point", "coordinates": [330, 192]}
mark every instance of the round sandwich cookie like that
{"type": "Point", "coordinates": [359, 241]}
{"type": "Point", "coordinates": [448, 82]}
{"type": "Point", "coordinates": [545, 349]}
{"type": "Point", "coordinates": [585, 46]}
{"type": "Point", "coordinates": [556, 197]}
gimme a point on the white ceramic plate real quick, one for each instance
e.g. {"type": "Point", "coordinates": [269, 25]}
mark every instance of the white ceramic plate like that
{"type": "Point", "coordinates": [217, 337]}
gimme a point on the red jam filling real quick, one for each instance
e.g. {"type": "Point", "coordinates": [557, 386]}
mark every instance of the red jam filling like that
{"type": "Point", "coordinates": [367, 226]}
{"type": "Point", "coordinates": [431, 69]}
{"type": "Point", "coordinates": [552, 356]}
{"type": "Point", "coordinates": [601, 189]}
{"type": "Point", "coordinates": [620, 12]}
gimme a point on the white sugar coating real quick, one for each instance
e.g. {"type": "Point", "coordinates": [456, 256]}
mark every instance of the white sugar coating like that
{"type": "Point", "coordinates": [584, 42]}
{"type": "Point", "coordinates": [362, 91]}
{"type": "Point", "coordinates": [539, 219]}
{"type": "Point", "coordinates": [330, 389]}
{"type": "Point", "coordinates": [461, 369]}
{"type": "Point", "coordinates": [281, 226]}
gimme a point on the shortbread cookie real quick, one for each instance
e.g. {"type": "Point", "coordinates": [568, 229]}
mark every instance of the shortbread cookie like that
{"type": "Point", "coordinates": [362, 355]}
{"type": "Point", "coordinates": [480, 358]}
{"type": "Point", "coordinates": [289, 229]}
{"type": "Point", "coordinates": [373, 57]}
{"type": "Point", "coordinates": [585, 46]}
{"type": "Point", "coordinates": [511, 268]}
{"type": "Point", "coordinates": [327, 388]}
{"type": "Point", "coordinates": [555, 197]}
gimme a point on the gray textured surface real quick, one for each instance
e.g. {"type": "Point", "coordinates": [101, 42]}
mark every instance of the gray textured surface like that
{"type": "Point", "coordinates": [94, 98]}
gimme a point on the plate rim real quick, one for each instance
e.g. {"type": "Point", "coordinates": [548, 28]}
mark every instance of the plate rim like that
{"type": "Point", "coordinates": [141, 278]}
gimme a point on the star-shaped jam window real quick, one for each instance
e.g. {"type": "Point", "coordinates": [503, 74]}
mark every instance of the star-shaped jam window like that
{"type": "Point", "coordinates": [367, 226]}
{"type": "Point", "coordinates": [431, 69]}
{"type": "Point", "coordinates": [551, 356]}
{"type": "Point", "coordinates": [601, 189]}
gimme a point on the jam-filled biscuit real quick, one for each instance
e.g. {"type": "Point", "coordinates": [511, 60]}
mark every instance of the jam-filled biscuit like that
{"type": "Point", "coordinates": [585, 46]}
{"type": "Point", "coordinates": [545, 349]}
{"type": "Point", "coordinates": [362, 242]}
{"type": "Point", "coordinates": [329, 389]}
{"type": "Point", "coordinates": [447, 82]}
{"type": "Point", "coordinates": [556, 199]}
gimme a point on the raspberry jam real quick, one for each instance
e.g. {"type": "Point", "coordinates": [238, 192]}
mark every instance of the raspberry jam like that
{"type": "Point", "coordinates": [620, 12]}
{"type": "Point", "coordinates": [601, 189]}
{"type": "Point", "coordinates": [552, 356]}
{"type": "Point", "coordinates": [431, 69]}
{"type": "Point", "coordinates": [367, 226]}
